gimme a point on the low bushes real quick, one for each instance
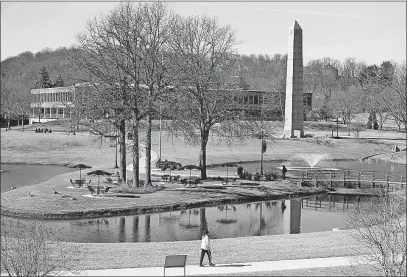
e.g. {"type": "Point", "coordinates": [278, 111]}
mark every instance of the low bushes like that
{"type": "Point", "coordinates": [122, 188]}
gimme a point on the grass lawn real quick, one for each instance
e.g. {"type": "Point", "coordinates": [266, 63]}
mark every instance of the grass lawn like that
{"type": "Point", "coordinates": [228, 250]}
{"type": "Point", "coordinates": [55, 148]}
{"type": "Point", "coordinates": [60, 148]}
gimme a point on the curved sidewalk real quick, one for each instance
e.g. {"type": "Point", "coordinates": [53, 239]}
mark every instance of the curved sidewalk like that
{"type": "Point", "coordinates": [235, 268]}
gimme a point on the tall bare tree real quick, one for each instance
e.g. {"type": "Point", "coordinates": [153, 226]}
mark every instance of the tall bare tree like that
{"type": "Point", "coordinates": [347, 101]}
{"type": "Point", "coordinates": [155, 55]}
{"type": "Point", "coordinates": [395, 95]}
{"type": "Point", "coordinates": [102, 58]}
{"type": "Point", "coordinates": [203, 55]}
{"type": "Point", "coordinates": [125, 50]}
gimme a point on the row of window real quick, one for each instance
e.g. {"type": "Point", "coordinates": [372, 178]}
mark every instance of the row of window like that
{"type": "Point", "coordinates": [249, 99]}
{"type": "Point", "coordinates": [65, 96]}
{"type": "Point", "coordinates": [55, 112]}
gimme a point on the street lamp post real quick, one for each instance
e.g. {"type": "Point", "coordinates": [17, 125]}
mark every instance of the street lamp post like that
{"type": "Point", "coordinates": [160, 132]}
{"type": "Point", "coordinates": [337, 136]}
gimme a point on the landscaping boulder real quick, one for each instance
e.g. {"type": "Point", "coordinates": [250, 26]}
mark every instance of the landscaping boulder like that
{"type": "Point", "coordinates": [305, 184]}
{"type": "Point", "coordinates": [395, 149]}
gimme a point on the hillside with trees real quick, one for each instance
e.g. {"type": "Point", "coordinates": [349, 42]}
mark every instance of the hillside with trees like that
{"type": "Point", "coordinates": [339, 88]}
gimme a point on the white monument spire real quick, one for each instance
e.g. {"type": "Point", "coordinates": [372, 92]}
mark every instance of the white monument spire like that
{"type": "Point", "coordinates": [294, 84]}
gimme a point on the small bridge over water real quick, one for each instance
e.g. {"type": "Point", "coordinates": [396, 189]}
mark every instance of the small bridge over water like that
{"type": "Point", "coordinates": [345, 177]}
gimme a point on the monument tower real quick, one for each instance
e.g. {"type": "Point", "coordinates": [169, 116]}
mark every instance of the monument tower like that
{"type": "Point", "coordinates": [294, 84]}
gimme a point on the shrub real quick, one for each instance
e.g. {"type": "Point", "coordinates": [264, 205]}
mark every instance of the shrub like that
{"type": "Point", "coordinates": [257, 177]}
{"type": "Point", "coordinates": [28, 249]}
{"type": "Point", "coordinates": [140, 190]}
{"type": "Point", "coordinates": [312, 115]}
{"type": "Point", "coordinates": [269, 176]}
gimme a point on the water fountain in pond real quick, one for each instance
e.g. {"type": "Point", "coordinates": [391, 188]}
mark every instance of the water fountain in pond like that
{"type": "Point", "coordinates": [312, 159]}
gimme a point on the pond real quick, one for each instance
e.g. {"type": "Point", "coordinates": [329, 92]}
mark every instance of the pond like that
{"type": "Point", "coordinates": [291, 216]}
{"type": "Point", "coordinates": [368, 165]}
{"type": "Point", "coordinates": [21, 175]}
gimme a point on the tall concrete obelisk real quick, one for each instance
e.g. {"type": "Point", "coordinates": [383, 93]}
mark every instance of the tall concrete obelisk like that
{"type": "Point", "coordinates": [294, 84]}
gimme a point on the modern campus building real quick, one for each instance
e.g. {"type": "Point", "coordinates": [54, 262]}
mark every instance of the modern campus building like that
{"type": "Point", "coordinates": [56, 103]}
{"type": "Point", "coordinates": [51, 103]}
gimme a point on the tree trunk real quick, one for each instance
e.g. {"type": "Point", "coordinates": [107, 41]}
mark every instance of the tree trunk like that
{"type": "Point", "coordinates": [135, 127]}
{"type": "Point", "coordinates": [22, 121]}
{"type": "Point", "coordinates": [203, 153]}
{"type": "Point", "coordinates": [148, 179]}
{"type": "Point", "coordinates": [122, 150]}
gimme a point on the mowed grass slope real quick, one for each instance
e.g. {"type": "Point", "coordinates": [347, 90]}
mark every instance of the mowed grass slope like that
{"type": "Point", "coordinates": [228, 250]}
{"type": "Point", "coordinates": [55, 148]}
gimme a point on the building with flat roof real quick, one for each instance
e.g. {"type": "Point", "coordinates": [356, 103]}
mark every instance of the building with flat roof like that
{"type": "Point", "coordinates": [51, 103]}
{"type": "Point", "coordinates": [57, 103]}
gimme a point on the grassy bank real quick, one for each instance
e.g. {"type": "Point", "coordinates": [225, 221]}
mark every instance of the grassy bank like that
{"type": "Point", "coordinates": [60, 148]}
{"type": "Point", "coordinates": [228, 250]}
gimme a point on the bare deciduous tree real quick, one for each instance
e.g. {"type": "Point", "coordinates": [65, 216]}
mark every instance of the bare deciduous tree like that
{"type": "Point", "coordinates": [27, 250]}
{"type": "Point", "coordinates": [380, 224]}
{"type": "Point", "coordinates": [395, 96]}
{"type": "Point", "coordinates": [203, 55]}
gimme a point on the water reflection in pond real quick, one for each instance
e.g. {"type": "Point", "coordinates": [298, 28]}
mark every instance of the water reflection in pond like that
{"type": "Point", "coordinates": [317, 213]}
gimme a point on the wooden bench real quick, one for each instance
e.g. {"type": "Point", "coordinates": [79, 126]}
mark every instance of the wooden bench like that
{"type": "Point", "coordinates": [172, 261]}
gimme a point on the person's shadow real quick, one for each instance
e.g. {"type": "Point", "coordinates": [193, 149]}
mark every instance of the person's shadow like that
{"type": "Point", "coordinates": [231, 265]}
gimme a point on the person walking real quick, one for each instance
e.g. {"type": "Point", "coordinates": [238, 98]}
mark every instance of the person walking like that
{"type": "Point", "coordinates": [205, 248]}
{"type": "Point", "coordinates": [284, 170]}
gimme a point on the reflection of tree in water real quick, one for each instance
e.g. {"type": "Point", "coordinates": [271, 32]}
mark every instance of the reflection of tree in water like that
{"type": "Point", "coordinates": [122, 232]}
{"type": "Point", "coordinates": [147, 228]}
{"type": "Point", "coordinates": [268, 205]}
{"type": "Point", "coordinates": [283, 206]}
{"type": "Point", "coordinates": [203, 221]}
{"type": "Point", "coordinates": [262, 222]}
{"type": "Point", "coordinates": [135, 228]}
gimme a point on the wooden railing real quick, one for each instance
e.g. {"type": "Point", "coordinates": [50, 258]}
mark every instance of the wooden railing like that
{"type": "Point", "coordinates": [353, 176]}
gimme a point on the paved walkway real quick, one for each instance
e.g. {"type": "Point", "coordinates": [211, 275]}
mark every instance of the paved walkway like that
{"type": "Point", "coordinates": [241, 268]}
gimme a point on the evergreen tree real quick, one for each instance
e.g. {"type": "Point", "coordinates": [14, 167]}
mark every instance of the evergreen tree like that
{"type": "Point", "coordinates": [45, 81]}
{"type": "Point", "coordinates": [372, 117]}
{"type": "Point", "coordinates": [243, 83]}
{"type": "Point", "coordinates": [59, 82]}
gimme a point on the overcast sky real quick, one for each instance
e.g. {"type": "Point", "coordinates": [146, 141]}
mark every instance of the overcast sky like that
{"type": "Point", "coordinates": [370, 31]}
